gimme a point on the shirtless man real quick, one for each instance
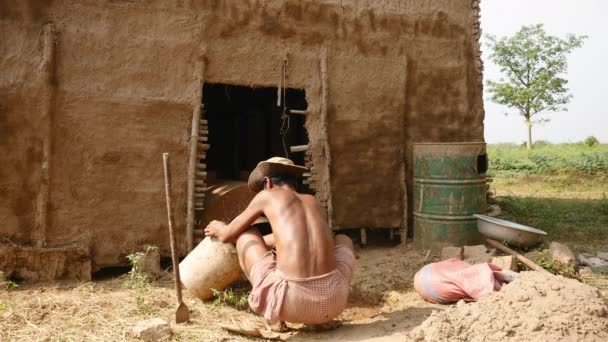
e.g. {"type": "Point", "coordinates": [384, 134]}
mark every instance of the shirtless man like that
{"type": "Point", "coordinates": [308, 280]}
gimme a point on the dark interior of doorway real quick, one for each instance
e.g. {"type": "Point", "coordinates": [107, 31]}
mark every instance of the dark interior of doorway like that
{"type": "Point", "coordinates": [245, 128]}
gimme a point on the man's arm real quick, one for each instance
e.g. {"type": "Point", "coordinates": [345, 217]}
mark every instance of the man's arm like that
{"type": "Point", "coordinates": [229, 232]}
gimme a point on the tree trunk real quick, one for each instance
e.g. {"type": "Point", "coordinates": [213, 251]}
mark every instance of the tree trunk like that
{"type": "Point", "coordinates": [529, 143]}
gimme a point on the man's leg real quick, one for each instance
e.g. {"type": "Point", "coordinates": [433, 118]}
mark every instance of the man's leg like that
{"type": "Point", "coordinates": [344, 240]}
{"type": "Point", "coordinates": [250, 247]}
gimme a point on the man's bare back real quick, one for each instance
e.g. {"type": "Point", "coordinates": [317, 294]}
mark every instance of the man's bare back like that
{"type": "Point", "coordinates": [303, 240]}
{"type": "Point", "coordinates": [304, 244]}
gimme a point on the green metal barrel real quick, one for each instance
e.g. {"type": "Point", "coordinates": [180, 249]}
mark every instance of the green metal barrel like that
{"type": "Point", "coordinates": [449, 187]}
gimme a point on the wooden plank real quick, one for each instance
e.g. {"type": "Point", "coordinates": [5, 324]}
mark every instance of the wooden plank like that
{"type": "Point", "coordinates": [201, 173]}
{"type": "Point", "coordinates": [203, 147]}
{"type": "Point", "coordinates": [202, 121]}
{"type": "Point", "coordinates": [300, 112]}
{"type": "Point", "coordinates": [203, 131]}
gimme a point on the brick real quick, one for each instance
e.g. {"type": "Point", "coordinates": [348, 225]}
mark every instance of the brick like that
{"type": "Point", "coordinates": [452, 252]}
{"type": "Point", "coordinates": [505, 262]}
{"type": "Point", "coordinates": [562, 254]}
{"type": "Point", "coordinates": [155, 329]}
{"type": "Point", "coordinates": [477, 254]}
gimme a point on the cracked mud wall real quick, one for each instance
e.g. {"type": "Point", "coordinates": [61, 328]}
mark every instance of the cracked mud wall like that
{"type": "Point", "coordinates": [398, 72]}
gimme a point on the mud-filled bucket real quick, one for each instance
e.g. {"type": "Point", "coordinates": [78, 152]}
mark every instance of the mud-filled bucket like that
{"type": "Point", "coordinates": [211, 265]}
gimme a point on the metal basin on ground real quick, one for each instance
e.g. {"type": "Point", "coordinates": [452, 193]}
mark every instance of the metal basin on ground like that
{"type": "Point", "coordinates": [503, 230]}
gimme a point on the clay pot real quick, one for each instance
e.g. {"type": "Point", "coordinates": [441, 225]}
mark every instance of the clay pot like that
{"type": "Point", "coordinates": [211, 265]}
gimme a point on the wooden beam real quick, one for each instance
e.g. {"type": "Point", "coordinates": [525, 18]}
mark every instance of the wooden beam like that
{"type": "Point", "coordinates": [299, 148]}
{"type": "Point", "coordinates": [363, 237]}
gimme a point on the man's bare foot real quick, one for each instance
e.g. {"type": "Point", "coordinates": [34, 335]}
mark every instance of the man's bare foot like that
{"type": "Point", "coordinates": [280, 327]}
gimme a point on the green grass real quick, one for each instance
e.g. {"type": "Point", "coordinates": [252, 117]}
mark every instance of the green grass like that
{"type": "Point", "coordinates": [508, 160]}
{"type": "Point", "coordinates": [580, 223]}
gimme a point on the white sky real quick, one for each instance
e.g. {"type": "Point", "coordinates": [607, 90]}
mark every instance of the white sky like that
{"type": "Point", "coordinates": [587, 68]}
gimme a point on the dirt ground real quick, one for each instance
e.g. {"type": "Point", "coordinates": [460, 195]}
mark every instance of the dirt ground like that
{"type": "Point", "coordinates": [383, 306]}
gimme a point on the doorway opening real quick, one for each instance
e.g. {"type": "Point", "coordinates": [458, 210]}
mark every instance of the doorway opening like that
{"type": "Point", "coordinates": [246, 126]}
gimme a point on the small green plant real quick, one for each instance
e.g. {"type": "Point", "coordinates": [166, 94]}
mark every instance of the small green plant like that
{"type": "Point", "coordinates": [7, 284]}
{"type": "Point", "coordinates": [229, 297]}
{"type": "Point", "coordinates": [591, 141]}
{"type": "Point", "coordinates": [545, 261]}
{"type": "Point", "coordinates": [137, 280]}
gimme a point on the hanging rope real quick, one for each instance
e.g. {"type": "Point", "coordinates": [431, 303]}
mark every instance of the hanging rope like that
{"type": "Point", "coordinates": [284, 116]}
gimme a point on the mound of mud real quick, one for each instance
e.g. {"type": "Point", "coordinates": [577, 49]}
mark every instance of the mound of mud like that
{"type": "Point", "coordinates": [535, 307]}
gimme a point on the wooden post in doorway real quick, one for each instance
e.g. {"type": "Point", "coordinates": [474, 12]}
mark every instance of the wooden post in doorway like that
{"type": "Point", "coordinates": [324, 135]}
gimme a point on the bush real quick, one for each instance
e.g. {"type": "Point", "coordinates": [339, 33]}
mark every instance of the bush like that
{"type": "Point", "coordinates": [541, 143]}
{"type": "Point", "coordinates": [591, 141]}
{"type": "Point", "coordinates": [548, 159]}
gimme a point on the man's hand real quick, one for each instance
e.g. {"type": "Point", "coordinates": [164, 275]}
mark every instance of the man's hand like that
{"type": "Point", "coordinates": [216, 229]}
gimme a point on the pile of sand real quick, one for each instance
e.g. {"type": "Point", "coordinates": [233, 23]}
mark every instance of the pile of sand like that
{"type": "Point", "coordinates": [535, 307]}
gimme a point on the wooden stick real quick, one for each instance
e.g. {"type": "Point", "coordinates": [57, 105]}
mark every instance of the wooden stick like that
{"type": "Point", "coordinates": [517, 256]}
{"type": "Point", "coordinates": [402, 174]}
{"type": "Point", "coordinates": [301, 112]}
{"type": "Point", "coordinates": [175, 260]}
{"type": "Point", "coordinates": [298, 148]}
{"type": "Point", "coordinates": [48, 73]}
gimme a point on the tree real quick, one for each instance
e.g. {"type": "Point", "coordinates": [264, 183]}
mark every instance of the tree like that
{"type": "Point", "coordinates": [533, 63]}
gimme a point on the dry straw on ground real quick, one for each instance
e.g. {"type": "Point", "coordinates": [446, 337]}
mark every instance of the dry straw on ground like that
{"type": "Point", "coordinates": [383, 307]}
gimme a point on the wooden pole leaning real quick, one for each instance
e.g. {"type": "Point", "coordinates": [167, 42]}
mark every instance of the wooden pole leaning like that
{"type": "Point", "coordinates": [193, 156]}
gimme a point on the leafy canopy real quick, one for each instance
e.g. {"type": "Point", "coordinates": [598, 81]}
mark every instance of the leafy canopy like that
{"type": "Point", "coordinates": [533, 63]}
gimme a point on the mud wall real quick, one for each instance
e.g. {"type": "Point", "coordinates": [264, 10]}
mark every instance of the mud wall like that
{"type": "Point", "coordinates": [397, 72]}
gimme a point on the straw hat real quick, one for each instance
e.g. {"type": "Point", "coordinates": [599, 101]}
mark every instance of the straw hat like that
{"type": "Point", "coordinates": [274, 166]}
